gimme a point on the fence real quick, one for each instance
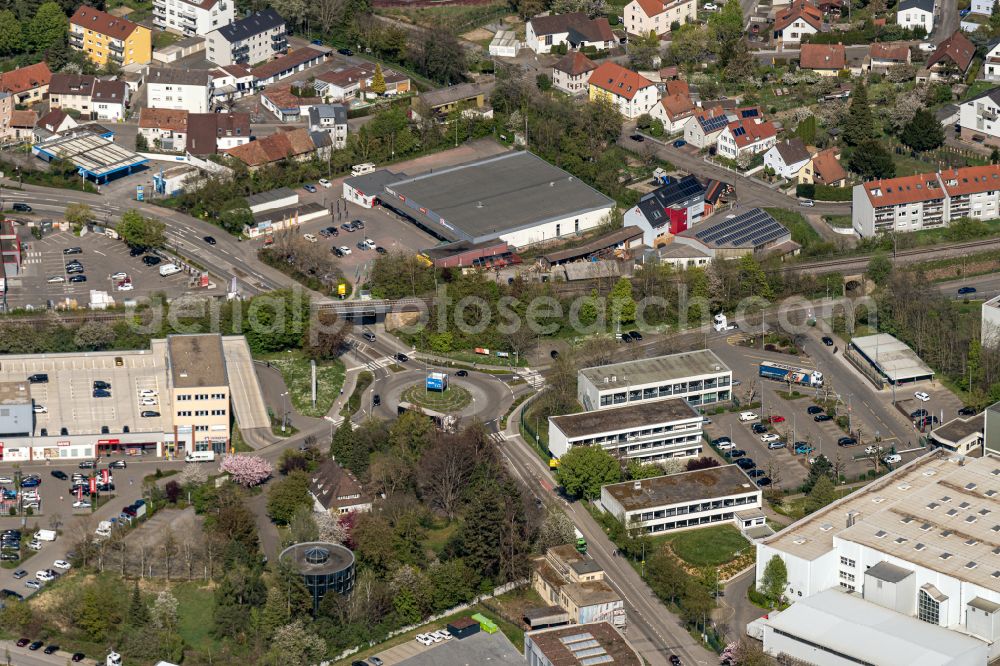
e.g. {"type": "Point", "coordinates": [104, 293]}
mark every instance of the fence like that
{"type": "Point", "coordinates": [503, 589]}
{"type": "Point", "coordinates": [864, 368]}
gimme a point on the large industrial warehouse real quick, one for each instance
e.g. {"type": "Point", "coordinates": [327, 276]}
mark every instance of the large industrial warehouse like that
{"type": "Point", "coordinates": [517, 197]}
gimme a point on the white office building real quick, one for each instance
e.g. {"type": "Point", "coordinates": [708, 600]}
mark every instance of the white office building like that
{"type": "Point", "coordinates": [190, 17]}
{"type": "Point", "coordinates": [686, 500]}
{"type": "Point", "coordinates": [921, 541]}
{"type": "Point", "coordinates": [700, 377]}
{"type": "Point", "coordinates": [179, 89]}
{"type": "Point", "coordinates": [649, 431]}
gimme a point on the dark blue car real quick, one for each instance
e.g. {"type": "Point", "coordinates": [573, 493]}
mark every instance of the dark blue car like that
{"type": "Point", "coordinates": [31, 483]}
{"type": "Point", "coordinates": [966, 290]}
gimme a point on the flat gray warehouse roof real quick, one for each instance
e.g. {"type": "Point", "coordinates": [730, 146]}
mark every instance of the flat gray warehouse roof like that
{"type": "Point", "coordinates": [684, 487]}
{"type": "Point", "coordinates": [653, 370]}
{"type": "Point", "coordinates": [892, 358]}
{"type": "Point", "coordinates": [489, 197]}
{"type": "Point", "coordinates": [15, 393]}
{"type": "Point", "coordinates": [622, 418]}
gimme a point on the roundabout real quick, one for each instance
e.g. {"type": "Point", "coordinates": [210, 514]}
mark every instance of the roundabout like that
{"type": "Point", "coordinates": [448, 401]}
{"type": "Point", "coordinates": [476, 396]}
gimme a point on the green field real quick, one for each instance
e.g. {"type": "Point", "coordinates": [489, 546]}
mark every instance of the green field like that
{"type": "Point", "coordinates": [709, 546]}
{"type": "Point", "coordinates": [197, 604]}
{"type": "Point", "coordinates": [452, 399]}
{"type": "Point", "coordinates": [296, 372]}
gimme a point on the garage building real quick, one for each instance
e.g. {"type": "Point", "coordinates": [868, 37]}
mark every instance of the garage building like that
{"type": "Point", "coordinates": [892, 358]}
{"type": "Point", "coordinates": [516, 197]}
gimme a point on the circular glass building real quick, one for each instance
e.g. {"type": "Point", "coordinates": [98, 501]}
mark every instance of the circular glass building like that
{"type": "Point", "coordinates": [323, 566]}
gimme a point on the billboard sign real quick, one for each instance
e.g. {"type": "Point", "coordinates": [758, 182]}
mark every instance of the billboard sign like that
{"type": "Point", "coordinates": [437, 381]}
{"type": "Point", "coordinates": [93, 485]}
{"type": "Point", "coordinates": [138, 193]}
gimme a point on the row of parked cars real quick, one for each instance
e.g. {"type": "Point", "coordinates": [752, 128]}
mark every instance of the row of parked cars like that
{"type": "Point", "coordinates": [52, 648]}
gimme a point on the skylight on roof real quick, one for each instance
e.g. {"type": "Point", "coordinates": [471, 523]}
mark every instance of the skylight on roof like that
{"type": "Point", "coordinates": [945, 556]}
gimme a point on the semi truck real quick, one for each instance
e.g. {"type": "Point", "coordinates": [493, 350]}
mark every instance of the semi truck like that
{"type": "Point", "coordinates": [792, 375]}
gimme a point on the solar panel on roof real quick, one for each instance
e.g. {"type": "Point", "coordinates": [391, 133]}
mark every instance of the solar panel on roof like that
{"type": "Point", "coordinates": [576, 638]}
{"type": "Point", "coordinates": [593, 652]}
{"type": "Point", "coordinates": [584, 645]}
{"type": "Point", "coordinates": [739, 131]}
{"type": "Point", "coordinates": [714, 123]}
{"type": "Point", "coordinates": [749, 113]}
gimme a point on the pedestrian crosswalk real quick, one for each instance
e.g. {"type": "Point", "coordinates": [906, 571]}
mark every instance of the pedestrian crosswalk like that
{"type": "Point", "coordinates": [33, 258]}
{"type": "Point", "coordinates": [534, 379]}
{"type": "Point", "coordinates": [498, 437]}
{"type": "Point", "coordinates": [378, 363]}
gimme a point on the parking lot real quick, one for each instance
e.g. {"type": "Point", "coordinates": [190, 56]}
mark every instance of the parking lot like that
{"type": "Point", "coordinates": [45, 278]}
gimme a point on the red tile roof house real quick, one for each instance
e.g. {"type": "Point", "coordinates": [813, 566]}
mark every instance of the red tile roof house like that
{"type": "Point", "coordinates": [951, 60]}
{"type": "Point", "coordinates": [631, 93]}
{"type": "Point", "coordinates": [749, 134]}
{"type": "Point", "coordinates": [164, 129]}
{"type": "Point", "coordinates": [571, 73]}
{"type": "Point", "coordinates": [287, 101]}
{"type": "Point", "coordinates": [797, 20]}
{"type": "Point", "coordinates": [297, 145]}
{"type": "Point", "coordinates": [27, 84]}
{"type": "Point", "coordinates": [349, 82]}
{"type": "Point", "coordinates": [645, 16]}
{"type": "Point", "coordinates": [884, 55]}
{"type": "Point", "coordinates": [673, 111]}
{"type": "Point", "coordinates": [703, 129]}
{"type": "Point", "coordinates": [824, 59]}
{"type": "Point", "coordinates": [825, 169]}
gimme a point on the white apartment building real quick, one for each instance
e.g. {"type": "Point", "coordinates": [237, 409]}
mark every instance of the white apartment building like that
{"type": "Point", "coordinates": [916, 14]}
{"type": "Point", "coordinates": [332, 119]}
{"type": "Point", "coordinates": [179, 89]}
{"type": "Point", "coordinates": [920, 541]}
{"type": "Point", "coordinates": [649, 431]}
{"type": "Point", "coordinates": [700, 377]}
{"type": "Point", "coordinates": [991, 64]}
{"type": "Point", "coordinates": [686, 500]}
{"type": "Point", "coordinates": [190, 17]}
{"type": "Point", "coordinates": [990, 328]}
{"type": "Point", "coordinates": [979, 117]}
{"type": "Point", "coordinates": [575, 30]}
{"type": "Point", "coordinates": [645, 16]}
{"type": "Point", "coordinates": [746, 136]}
{"type": "Point", "coordinates": [926, 201]}
{"type": "Point", "coordinates": [257, 38]}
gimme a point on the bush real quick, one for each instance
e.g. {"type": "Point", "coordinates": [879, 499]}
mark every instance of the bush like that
{"type": "Point", "coordinates": [805, 190]}
{"type": "Point", "coordinates": [827, 193]}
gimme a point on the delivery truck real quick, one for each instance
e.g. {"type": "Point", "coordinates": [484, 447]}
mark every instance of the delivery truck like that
{"type": "Point", "coordinates": [45, 535]}
{"type": "Point", "coordinates": [791, 375]}
{"type": "Point", "coordinates": [200, 456]}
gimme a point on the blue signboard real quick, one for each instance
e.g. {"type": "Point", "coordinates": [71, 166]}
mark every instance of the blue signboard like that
{"type": "Point", "coordinates": [138, 193]}
{"type": "Point", "coordinates": [437, 381]}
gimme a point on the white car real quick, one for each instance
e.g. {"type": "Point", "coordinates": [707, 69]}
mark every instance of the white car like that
{"type": "Point", "coordinates": [344, 249]}
{"type": "Point", "coordinates": [769, 437]}
{"type": "Point", "coordinates": [147, 393]}
{"type": "Point", "coordinates": [147, 402]}
{"type": "Point", "coordinates": [62, 564]}
{"type": "Point", "coordinates": [921, 396]}
{"type": "Point", "coordinates": [892, 459]}
{"type": "Point", "coordinates": [35, 545]}
{"type": "Point", "coordinates": [39, 409]}
{"type": "Point", "coordinates": [6, 479]}
{"type": "Point", "coordinates": [725, 446]}
{"type": "Point", "coordinates": [125, 286]}
{"type": "Point", "coordinates": [44, 576]}
{"type": "Point", "coordinates": [56, 279]}
{"type": "Point", "coordinates": [424, 639]}
{"type": "Point", "coordinates": [927, 47]}
{"type": "Point", "coordinates": [369, 243]}
{"type": "Point", "coordinates": [445, 634]}
{"type": "Point", "coordinates": [325, 183]}
{"type": "Point", "coordinates": [309, 237]}
{"type": "Point", "coordinates": [120, 275]}
{"type": "Point", "coordinates": [434, 637]}
{"type": "Point", "coordinates": [749, 416]}
{"type": "Point", "coordinates": [81, 504]}
{"type": "Point", "coordinates": [710, 6]}
{"type": "Point", "coordinates": [33, 584]}
{"type": "Point", "coordinates": [29, 494]}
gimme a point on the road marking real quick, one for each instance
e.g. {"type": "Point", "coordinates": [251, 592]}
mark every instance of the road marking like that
{"type": "Point", "coordinates": [100, 253]}
{"type": "Point", "coordinates": [498, 437]}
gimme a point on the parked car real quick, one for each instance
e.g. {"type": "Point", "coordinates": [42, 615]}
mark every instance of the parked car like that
{"type": "Point", "coordinates": [62, 564]}
{"type": "Point", "coordinates": [150, 260]}
{"type": "Point", "coordinates": [310, 237]}
{"type": "Point", "coordinates": [819, 418]}
{"type": "Point", "coordinates": [345, 52]}
{"type": "Point", "coordinates": [966, 290]}
{"type": "Point", "coordinates": [745, 463]}
{"type": "Point", "coordinates": [763, 481]}
{"type": "Point", "coordinates": [462, 373]}
{"type": "Point", "coordinates": [78, 278]}
{"type": "Point", "coordinates": [967, 411]}
{"type": "Point", "coordinates": [735, 454]}
{"type": "Point", "coordinates": [37, 645]}
{"type": "Point", "coordinates": [56, 279]}
{"type": "Point", "coordinates": [44, 575]}
{"type": "Point", "coordinates": [776, 419]}
{"type": "Point", "coordinates": [776, 444]}
{"type": "Point", "coordinates": [921, 396]}
{"type": "Point", "coordinates": [808, 203]}
{"type": "Point", "coordinates": [754, 473]}
{"type": "Point", "coordinates": [710, 7]}
{"type": "Point", "coordinates": [117, 464]}
{"type": "Point", "coordinates": [59, 474]}
{"type": "Point", "coordinates": [638, 138]}
{"type": "Point", "coordinates": [918, 413]}
{"type": "Point", "coordinates": [679, 143]}
{"type": "Point", "coordinates": [846, 441]}
{"type": "Point", "coordinates": [892, 459]}
{"type": "Point", "coordinates": [19, 574]}
{"type": "Point", "coordinates": [927, 47]}
{"type": "Point", "coordinates": [309, 188]}
{"type": "Point", "coordinates": [827, 340]}
{"type": "Point", "coordinates": [78, 656]}
{"type": "Point", "coordinates": [381, 250]}
{"type": "Point", "coordinates": [344, 250]}
{"type": "Point", "coordinates": [759, 428]}
{"type": "Point", "coordinates": [814, 409]}
{"type": "Point", "coordinates": [769, 437]}
{"type": "Point", "coordinates": [803, 448]}
{"type": "Point", "coordinates": [50, 649]}
{"type": "Point", "coordinates": [325, 183]}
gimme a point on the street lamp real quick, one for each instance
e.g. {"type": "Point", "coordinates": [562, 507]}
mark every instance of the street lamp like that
{"type": "Point", "coordinates": [284, 409]}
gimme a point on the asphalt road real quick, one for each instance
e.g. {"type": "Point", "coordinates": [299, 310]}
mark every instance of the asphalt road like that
{"type": "Point", "coordinates": [946, 20]}
{"type": "Point", "coordinates": [749, 193]}
{"type": "Point", "coordinates": [653, 630]}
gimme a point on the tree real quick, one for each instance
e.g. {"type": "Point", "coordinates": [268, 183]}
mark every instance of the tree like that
{"type": "Point", "coordinates": [643, 49]}
{"type": "Point", "coordinates": [275, 613]}
{"type": "Point", "coordinates": [725, 30]}
{"type": "Point", "coordinates": [544, 82]}
{"type": "Point", "coordinates": [287, 495]}
{"type": "Point", "coordinates": [445, 470]}
{"type": "Point", "coordinates": [329, 527]}
{"type": "Point", "coordinates": [860, 125]}
{"type": "Point", "coordinates": [584, 469]}
{"type": "Point", "coordinates": [623, 306]}
{"type": "Point", "coordinates": [774, 579]}
{"type": "Point", "coordinates": [879, 269]}
{"type": "Point", "coordinates": [140, 231]}
{"type": "Point", "coordinates": [76, 213]}
{"type": "Point", "coordinates": [326, 336]}
{"type": "Point", "coordinates": [94, 336]}
{"type": "Point", "coordinates": [995, 156]}
{"type": "Point", "coordinates": [302, 527]}
{"type": "Point", "coordinates": [822, 493]}
{"type": "Point", "coordinates": [164, 612]}
{"type": "Point", "coordinates": [173, 491]}
{"type": "Point", "coordinates": [138, 613]}
{"type": "Point", "coordinates": [555, 530]}
{"type": "Point", "coordinates": [870, 160]}
{"type": "Point", "coordinates": [439, 55]}
{"type": "Point", "coordinates": [11, 36]}
{"type": "Point", "coordinates": [923, 132]}
{"type": "Point", "coordinates": [246, 470]}
{"type": "Point", "coordinates": [821, 466]}
{"type": "Point", "coordinates": [378, 81]}
{"type": "Point", "coordinates": [689, 45]}
{"type": "Point", "coordinates": [995, 17]}
{"type": "Point", "coordinates": [293, 645]}
{"type": "Point", "coordinates": [48, 27]}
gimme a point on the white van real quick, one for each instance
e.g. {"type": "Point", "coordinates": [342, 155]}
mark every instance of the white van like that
{"type": "Point", "coordinates": [200, 456]}
{"type": "Point", "coordinates": [45, 535]}
{"type": "Point", "coordinates": [169, 269]}
{"type": "Point", "coordinates": [749, 416]}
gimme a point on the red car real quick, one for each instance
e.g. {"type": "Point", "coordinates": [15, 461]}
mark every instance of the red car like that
{"type": "Point", "coordinates": [776, 419]}
{"type": "Point", "coordinates": [21, 642]}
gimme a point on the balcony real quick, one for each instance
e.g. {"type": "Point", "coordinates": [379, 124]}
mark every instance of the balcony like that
{"type": "Point", "coordinates": [76, 40]}
{"type": "Point", "coordinates": [190, 18]}
{"type": "Point", "coordinates": [241, 50]}
{"type": "Point", "coordinates": [116, 57]}
{"type": "Point", "coordinates": [116, 47]}
{"type": "Point", "coordinates": [159, 11]}
{"type": "Point", "coordinates": [279, 46]}
{"type": "Point", "coordinates": [278, 37]}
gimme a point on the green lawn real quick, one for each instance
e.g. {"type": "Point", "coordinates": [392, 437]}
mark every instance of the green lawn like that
{"type": "Point", "coordinates": [196, 604]}
{"type": "Point", "coordinates": [839, 221]}
{"type": "Point", "coordinates": [296, 372]}
{"type": "Point", "coordinates": [450, 400]}
{"type": "Point", "coordinates": [709, 546]}
{"type": "Point", "coordinates": [162, 39]}
{"type": "Point", "coordinates": [802, 232]}
{"type": "Point", "coordinates": [438, 537]}
{"type": "Point", "coordinates": [360, 386]}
